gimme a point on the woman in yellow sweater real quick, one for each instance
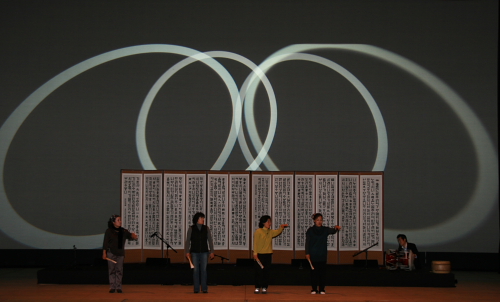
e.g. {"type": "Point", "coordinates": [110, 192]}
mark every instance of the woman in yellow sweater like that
{"type": "Point", "coordinates": [263, 252]}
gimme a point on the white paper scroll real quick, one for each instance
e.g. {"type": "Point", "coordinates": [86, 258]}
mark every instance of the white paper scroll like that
{"type": "Point", "coordinates": [261, 198]}
{"type": "Point", "coordinates": [326, 204]}
{"type": "Point", "coordinates": [239, 203]}
{"type": "Point", "coordinates": [304, 208]}
{"type": "Point", "coordinates": [132, 207]}
{"type": "Point", "coordinates": [173, 216]}
{"type": "Point", "coordinates": [349, 212]}
{"type": "Point", "coordinates": [371, 228]}
{"type": "Point", "coordinates": [218, 205]}
{"type": "Point", "coordinates": [283, 210]}
{"type": "Point", "coordinates": [196, 196]}
{"type": "Point", "coordinates": [153, 209]}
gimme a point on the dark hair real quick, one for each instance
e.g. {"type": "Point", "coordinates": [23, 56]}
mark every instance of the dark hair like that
{"type": "Point", "coordinates": [197, 216]}
{"type": "Point", "coordinates": [111, 220]}
{"type": "Point", "coordinates": [315, 216]}
{"type": "Point", "coordinates": [402, 236]}
{"type": "Point", "coordinates": [263, 220]}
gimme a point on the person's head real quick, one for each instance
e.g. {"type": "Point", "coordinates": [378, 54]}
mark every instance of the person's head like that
{"type": "Point", "coordinates": [115, 221]}
{"type": "Point", "coordinates": [318, 219]}
{"type": "Point", "coordinates": [401, 239]}
{"type": "Point", "coordinates": [198, 218]}
{"type": "Point", "coordinates": [265, 221]}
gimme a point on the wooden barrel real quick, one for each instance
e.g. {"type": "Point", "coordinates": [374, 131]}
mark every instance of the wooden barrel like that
{"type": "Point", "coordinates": [441, 267]}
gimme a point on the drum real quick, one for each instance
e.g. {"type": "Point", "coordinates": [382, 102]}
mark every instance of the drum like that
{"type": "Point", "coordinates": [391, 260]}
{"type": "Point", "coordinates": [441, 267]}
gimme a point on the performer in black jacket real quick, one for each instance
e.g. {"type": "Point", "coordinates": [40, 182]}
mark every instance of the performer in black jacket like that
{"type": "Point", "coordinates": [316, 251]}
{"type": "Point", "coordinates": [405, 246]}
{"type": "Point", "coordinates": [113, 248]}
{"type": "Point", "coordinates": [199, 244]}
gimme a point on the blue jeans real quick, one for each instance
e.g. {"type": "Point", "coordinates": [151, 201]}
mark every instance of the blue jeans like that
{"type": "Point", "coordinates": [200, 261]}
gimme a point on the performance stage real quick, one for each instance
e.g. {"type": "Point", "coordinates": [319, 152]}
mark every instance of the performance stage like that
{"type": "Point", "coordinates": [230, 274]}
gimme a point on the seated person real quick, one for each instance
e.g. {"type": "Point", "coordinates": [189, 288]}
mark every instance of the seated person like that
{"type": "Point", "coordinates": [405, 246]}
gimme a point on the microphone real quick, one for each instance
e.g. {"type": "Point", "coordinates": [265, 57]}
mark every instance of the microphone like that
{"type": "Point", "coordinates": [153, 234]}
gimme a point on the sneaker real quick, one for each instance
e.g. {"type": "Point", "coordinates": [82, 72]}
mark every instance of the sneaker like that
{"type": "Point", "coordinates": [322, 292]}
{"type": "Point", "coordinates": [112, 290]}
{"type": "Point", "coordinates": [205, 291]}
{"type": "Point", "coordinates": [314, 292]}
{"type": "Point", "coordinates": [256, 291]}
{"type": "Point", "coordinates": [264, 290]}
{"type": "Point", "coordinates": [119, 291]}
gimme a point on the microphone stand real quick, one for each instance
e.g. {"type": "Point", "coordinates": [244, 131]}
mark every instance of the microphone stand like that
{"type": "Point", "coordinates": [166, 243]}
{"type": "Point", "coordinates": [365, 251]}
{"type": "Point", "coordinates": [221, 258]}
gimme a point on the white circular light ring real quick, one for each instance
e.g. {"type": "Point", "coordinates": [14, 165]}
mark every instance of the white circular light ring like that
{"type": "Point", "coordinates": [484, 197]}
{"type": "Point", "coordinates": [236, 124]}
{"type": "Point", "coordinates": [382, 150]}
{"type": "Point", "coordinates": [11, 223]}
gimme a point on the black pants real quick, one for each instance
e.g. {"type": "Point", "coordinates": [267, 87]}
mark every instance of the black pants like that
{"type": "Point", "coordinates": [262, 274]}
{"type": "Point", "coordinates": [318, 275]}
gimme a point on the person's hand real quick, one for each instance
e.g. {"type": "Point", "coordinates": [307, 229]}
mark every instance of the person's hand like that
{"type": "Point", "coordinates": [188, 255]}
{"type": "Point", "coordinates": [256, 257]}
{"type": "Point", "coordinates": [134, 236]}
{"type": "Point", "coordinates": [284, 225]}
{"type": "Point", "coordinates": [308, 257]}
{"type": "Point", "coordinates": [104, 255]}
{"type": "Point", "coordinates": [212, 256]}
{"type": "Point", "coordinates": [338, 227]}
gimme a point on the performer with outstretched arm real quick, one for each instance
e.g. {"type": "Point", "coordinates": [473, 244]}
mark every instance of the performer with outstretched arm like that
{"type": "Point", "coordinates": [263, 252]}
{"type": "Point", "coordinates": [317, 252]}
{"type": "Point", "coordinates": [199, 246]}
{"type": "Point", "coordinates": [113, 250]}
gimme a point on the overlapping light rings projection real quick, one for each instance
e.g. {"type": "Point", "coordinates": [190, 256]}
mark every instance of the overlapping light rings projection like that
{"type": "Point", "coordinates": [478, 207]}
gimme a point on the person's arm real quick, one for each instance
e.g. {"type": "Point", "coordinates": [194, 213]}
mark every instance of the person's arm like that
{"type": "Point", "coordinates": [275, 233]}
{"type": "Point", "coordinates": [256, 243]}
{"type": "Point", "coordinates": [187, 244]}
{"type": "Point", "coordinates": [105, 245]}
{"type": "Point", "coordinates": [308, 239]}
{"type": "Point", "coordinates": [334, 229]}
{"type": "Point", "coordinates": [210, 243]}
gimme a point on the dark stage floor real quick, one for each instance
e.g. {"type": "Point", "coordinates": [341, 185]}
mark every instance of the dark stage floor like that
{"type": "Point", "coordinates": [228, 274]}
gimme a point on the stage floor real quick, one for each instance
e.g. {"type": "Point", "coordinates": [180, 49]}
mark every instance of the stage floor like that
{"type": "Point", "coordinates": [21, 285]}
{"type": "Point", "coordinates": [281, 274]}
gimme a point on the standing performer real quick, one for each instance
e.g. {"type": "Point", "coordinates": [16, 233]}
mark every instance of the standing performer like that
{"type": "Point", "coordinates": [263, 252]}
{"type": "Point", "coordinates": [199, 244]}
{"type": "Point", "coordinates": [316, 251]}
{"type": "Point", "coordinates": [114, 249]}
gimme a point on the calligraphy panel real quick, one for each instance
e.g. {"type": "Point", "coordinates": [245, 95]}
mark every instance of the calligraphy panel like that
{"type": "Point", "coordinates": [283, 210]}
{"type": "Point", "coordinates": [349, 212]}
{"type": "Point", "coordinates": [196, 196]}
{"type": "Point", "coordinates": [173, 216]}
{"type": "Point", "coordinates": [304, 208]}
{"type": "Point", "coordinates": [326, 204]}
{"type": "Point", "coordinates": [261, 198]}
{"type": "Point", "coordinates": [371, 202]}
{"type": "Point", "coordinates": [132, 207]}
{"type": "Point", "coordinates": [152, 200]}
{"type": "Point", "coordinates": [218, 205]}
{"type": "Point", "coordinates": [239, 200]}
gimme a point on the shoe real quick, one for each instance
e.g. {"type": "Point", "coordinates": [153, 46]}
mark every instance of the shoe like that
{"type": "Point", "coordinates": [264, 290]}
{"type": "Point", "coordinates": [205, 291]}
{"type": "Point", "coordinates": [119, 291]}
{"type": "Point", "coordinates": [196, 292]}
{"type": "Point", "coordinates": [112, 290]}
{"type": "Point", "coordinates": [256, 291]}
{"type": "Point", "coordinates": [314, 292]}
{"type": "Point", "coordinates": [322, 292]}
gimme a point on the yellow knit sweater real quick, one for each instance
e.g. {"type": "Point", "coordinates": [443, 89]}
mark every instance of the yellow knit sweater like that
{"type": "Point", "coordinates": [262, 240]}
